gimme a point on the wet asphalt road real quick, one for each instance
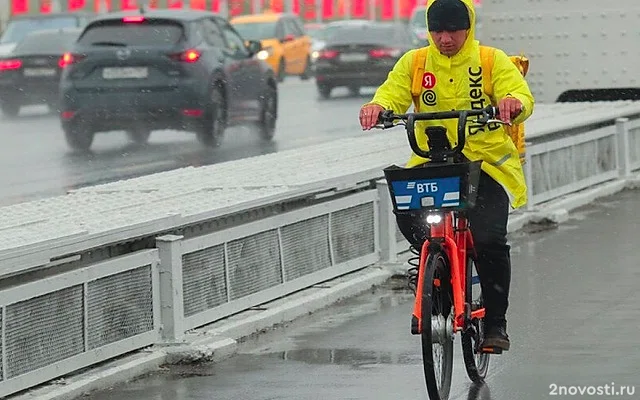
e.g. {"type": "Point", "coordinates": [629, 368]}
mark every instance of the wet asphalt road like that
{"type": "Point", "coordinates": [573, 321]}
{"type": "Point", "coordinates": [35, 161]}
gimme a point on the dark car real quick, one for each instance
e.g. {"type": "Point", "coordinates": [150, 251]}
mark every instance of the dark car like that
{"type": "Point", "coordinates": [166, 69]}
{"type": "Point", "coordinates": [31, 74]}
{"type": "Point", "coordinates": [359, 54]}
{"type": "Point", "coordinates": [19, 26]}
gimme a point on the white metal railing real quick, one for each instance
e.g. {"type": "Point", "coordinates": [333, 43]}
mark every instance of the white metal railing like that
{"type": "Point", "coordinates": [221, 273]}
{"type": "Point", "coordinates": [571, 164]}
{"type": "Point", "coordinates": [66, 322]}
{"type": "Point", "coordinates": [629, 138]}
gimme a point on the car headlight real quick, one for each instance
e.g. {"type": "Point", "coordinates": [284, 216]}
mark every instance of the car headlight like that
{"type": "Point", "coordinates": [264, 53]}
{"type": "Point", "coordinates": [315, 54]}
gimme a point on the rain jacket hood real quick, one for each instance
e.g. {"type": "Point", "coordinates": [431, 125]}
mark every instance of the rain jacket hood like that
{"type": "Point", "coordinates": [455, 83]}
{"type": "Point", "coordinates": [471, 38]}
{"type": "Point", "coordinates": [468, 49]}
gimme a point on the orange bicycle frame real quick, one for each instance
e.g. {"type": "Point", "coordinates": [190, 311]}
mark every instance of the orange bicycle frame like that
{"type": "Point", "coordinates": [456, 240]}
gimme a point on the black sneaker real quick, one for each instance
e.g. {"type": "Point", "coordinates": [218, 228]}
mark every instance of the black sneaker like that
{"type": "Point", "coordinates": [496, 337]}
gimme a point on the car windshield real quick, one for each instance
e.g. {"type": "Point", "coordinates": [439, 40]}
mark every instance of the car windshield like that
{"type": "Point", "coordinates": [19, 28]}
{"type": "Point", "coordinates": [365, 34]}
{"type": "Point", "coordinates": [419, 19]}
{"type": "Point", "coordinates": [256, 30]}
{"type": "Point", "coordinates": [56, 43]}
{"type": "Point", "coordinates": [316, 33]}
{"type": "Point", "coordinates": [147, 33]}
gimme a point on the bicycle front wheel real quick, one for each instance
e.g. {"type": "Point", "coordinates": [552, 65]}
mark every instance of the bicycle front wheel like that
{"type": "Point", "coordinates": [437, 330]}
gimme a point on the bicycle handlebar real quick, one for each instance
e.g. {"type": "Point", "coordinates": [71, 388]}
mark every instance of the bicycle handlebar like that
{"type": "Point", "coordinates": [486, 115]}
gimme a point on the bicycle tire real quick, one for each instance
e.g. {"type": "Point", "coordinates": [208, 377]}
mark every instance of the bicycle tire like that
{"type": "Point", "coordinates": [476, 364]}
{"type": "Point", "coordinates": [439, 300]}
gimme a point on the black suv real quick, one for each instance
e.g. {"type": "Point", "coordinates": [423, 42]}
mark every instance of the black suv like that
{"type": "Point", "coordinates": [164, 69]}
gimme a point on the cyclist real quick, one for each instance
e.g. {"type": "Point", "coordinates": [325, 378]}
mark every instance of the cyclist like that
{"type": "Point", "coordinates": [453, 80]}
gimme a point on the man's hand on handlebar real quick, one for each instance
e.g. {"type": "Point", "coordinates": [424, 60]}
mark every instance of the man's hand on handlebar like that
{"type": "Point", "coordinates": [369, 114]}
{"type": "Point", "coordinates": [509, 108]}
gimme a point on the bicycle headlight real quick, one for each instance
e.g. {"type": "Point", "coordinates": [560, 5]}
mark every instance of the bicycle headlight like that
{"type": "Point", "coordinates": [434, 219]}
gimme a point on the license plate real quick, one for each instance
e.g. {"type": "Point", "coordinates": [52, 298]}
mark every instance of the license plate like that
{"type": "Point", "coordinates": [353, 57]}
{"type": "Point", "coordinates": [39, 72]}
{"type": "Point", "coordinates": [125, 73]}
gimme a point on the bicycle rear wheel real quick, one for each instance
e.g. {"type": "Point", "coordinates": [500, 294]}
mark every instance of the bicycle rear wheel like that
{"type": "Point", "coordinates": [475, 361]}
{"type": "Point", "coordinates": [437, 330]}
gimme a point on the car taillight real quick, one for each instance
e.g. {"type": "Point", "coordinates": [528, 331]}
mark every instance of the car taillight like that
{"type": "Point", "coordinates": [133, 18]}
{"type": "Point", "coordinates": [383, 53]}
{"type": "Point", "coordinates": [189, 56]}
{"type": "Point", "coordinates": [328, 54]}
{"type": "Point", "coordinates": [68, 59]}
{"type": "Point", "coordinates": [8, 65]}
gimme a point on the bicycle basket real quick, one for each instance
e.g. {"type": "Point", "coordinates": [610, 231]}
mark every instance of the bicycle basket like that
{"type": "Point", "coordinates": [433, 186]}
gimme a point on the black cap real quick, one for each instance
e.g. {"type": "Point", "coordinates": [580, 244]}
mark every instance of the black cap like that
{"type": "Point", "coordinates": [448, 15]}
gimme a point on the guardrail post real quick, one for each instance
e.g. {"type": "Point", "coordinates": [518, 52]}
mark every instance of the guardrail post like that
{"type": "Point", "coordinates": [171, 296]}
{"type": "Point", "coordinates": [528, 177]}
{"type": "Point", "coordinates": [623, 152]}
{"type": "Point", "coordinates": [387, 224]}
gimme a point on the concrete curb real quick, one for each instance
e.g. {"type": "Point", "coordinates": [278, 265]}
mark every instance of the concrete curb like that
{"type": "Point", "coordinates": [97, 378]}
{"type": "Point", "coordinates": [219, 340]}
{"type": "Point", "coordinates": [557, 211]}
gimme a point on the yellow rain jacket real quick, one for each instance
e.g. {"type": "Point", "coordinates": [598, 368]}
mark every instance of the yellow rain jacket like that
{"type": "Point", "coordinates": [454, 83]}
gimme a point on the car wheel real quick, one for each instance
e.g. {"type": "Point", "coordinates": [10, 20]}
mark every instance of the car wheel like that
{"type": "Point", "coordinates": [324, 91]}
{"type": "Point", "coordinates": [306, 75]}
{"type": "Point", "coordinates": [282, 72]}
{"type": "Point", "coordinates": [10, 109]}
{"type": "Point", "coordinates": [139, 135]}
{"type": "Point", "coordinates": [268, 113]}
{"type": "Point", "coordinates": [212, 130]}
{"type": "Point", "coordinates": [78, 137]}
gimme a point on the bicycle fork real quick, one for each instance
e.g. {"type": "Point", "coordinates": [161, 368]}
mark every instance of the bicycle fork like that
{"type": "Point", "coordinates": [440, 327]}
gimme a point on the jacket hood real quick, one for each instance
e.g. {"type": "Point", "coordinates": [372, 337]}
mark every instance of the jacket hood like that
{"type": "Point", "coordinates": [471, 38]}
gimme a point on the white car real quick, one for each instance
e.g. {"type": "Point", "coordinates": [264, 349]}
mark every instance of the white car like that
{"type": "Point", "coordinates": [316, 32]}
{"type": "Point", "coordinates": [20, 26]}
{"type": "Point", "coordinates": [417, 23]}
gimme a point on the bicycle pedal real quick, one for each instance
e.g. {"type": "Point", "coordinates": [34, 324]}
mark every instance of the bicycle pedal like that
{"type": "Point", "coordinates": [491, 350]}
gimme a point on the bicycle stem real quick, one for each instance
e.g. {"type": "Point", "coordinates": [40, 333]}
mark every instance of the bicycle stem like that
{"type": "Point", "coordinates": [486, 114]}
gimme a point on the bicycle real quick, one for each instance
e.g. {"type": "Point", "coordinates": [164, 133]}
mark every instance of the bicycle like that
{"type": "Point", "coordinates": [439, 193]}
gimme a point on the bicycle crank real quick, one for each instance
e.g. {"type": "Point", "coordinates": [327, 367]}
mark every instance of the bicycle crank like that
{"type": "Point", "coordinates": [441, 329]}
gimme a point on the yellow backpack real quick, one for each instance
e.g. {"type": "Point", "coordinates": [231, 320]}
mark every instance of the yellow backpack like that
{"type": "Point", "coordinates": [516, 132]}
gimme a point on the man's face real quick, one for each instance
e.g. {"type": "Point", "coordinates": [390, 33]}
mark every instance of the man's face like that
{"type": "Point", "coordinates": [449, 42]}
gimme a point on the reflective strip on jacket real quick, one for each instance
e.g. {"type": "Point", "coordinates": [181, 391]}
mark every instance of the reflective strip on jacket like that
{"type": "Point", "coordinates": [458, 85]}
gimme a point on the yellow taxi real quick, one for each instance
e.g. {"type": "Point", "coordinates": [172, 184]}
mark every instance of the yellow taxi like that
{"type": "Point", "coordinates": [285, 45]}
